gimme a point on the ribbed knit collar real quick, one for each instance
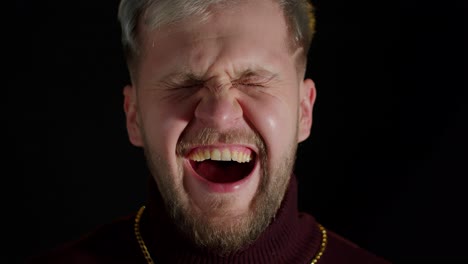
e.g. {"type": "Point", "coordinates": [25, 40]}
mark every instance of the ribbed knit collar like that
{"type": "Point", "coordinates": [292, 237]}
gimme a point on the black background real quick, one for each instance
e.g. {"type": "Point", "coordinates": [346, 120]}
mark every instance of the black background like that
{"type": "Point", "coordinates": [385, 165]}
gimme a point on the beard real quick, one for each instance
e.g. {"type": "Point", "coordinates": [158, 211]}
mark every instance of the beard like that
{"type": "Point", "coordinates": [215, 229]}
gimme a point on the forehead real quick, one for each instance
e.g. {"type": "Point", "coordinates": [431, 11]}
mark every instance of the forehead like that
{"type": "Point", "coordinates": [237, 36]}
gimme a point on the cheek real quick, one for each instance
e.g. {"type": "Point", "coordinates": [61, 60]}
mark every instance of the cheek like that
{"type": "Point", "coordinates": [164, 122]}
{"type": "Point", "coordinates": [274, 119]}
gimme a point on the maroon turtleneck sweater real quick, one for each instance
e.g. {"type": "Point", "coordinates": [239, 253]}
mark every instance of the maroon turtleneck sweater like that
{"type": "Point", "coordinates": [292, 237]}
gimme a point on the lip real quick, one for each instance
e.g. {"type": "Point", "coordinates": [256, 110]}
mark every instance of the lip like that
{"type": "Point", "coordinates": [220, 187]}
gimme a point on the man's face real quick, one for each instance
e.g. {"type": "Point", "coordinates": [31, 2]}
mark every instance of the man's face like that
{"type": "Point", "coordinates": [225, 89]}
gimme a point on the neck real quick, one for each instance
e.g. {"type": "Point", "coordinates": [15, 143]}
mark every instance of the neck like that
{"type": "Point", "coordinates": [285, 235]}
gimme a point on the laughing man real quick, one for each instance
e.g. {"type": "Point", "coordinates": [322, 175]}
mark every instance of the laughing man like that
{"type": "Point", "coordinates": [219, 103]}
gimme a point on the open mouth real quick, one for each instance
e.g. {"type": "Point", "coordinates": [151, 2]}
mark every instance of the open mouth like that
{"type": "Point", "coordinates": [222, 165]}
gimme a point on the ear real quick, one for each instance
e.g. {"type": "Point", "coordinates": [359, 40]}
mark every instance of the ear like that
{"type": "Point", "coordinates": [132, 117]}
{"type": "Point", "coordinates": [307, 99]}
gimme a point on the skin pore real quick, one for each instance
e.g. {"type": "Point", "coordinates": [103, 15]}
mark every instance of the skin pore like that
{"type": "Point", "coordinates": [228, 82]}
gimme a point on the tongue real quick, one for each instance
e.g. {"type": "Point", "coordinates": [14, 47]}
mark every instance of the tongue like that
{"type": "Point", "coordinates": [222, 171]}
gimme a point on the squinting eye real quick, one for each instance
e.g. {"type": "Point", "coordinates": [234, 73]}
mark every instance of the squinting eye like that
{"type": "Point", "coordinates": [252, 84]}
{"type": "Point", "coordinates": [190, 86]}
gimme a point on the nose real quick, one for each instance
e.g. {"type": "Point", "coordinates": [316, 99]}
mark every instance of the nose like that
{"type": "Point", "coordinates": [218, 110]}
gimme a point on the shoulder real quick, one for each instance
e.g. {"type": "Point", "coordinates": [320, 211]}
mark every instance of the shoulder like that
{"type": "Point", "coordinates": [110, 243]}
{"type": "Point", "coordinates": [341, 250]}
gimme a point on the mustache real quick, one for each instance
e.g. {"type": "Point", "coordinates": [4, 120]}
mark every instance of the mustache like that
{"type": "Point", "coordinates": [210, 136]}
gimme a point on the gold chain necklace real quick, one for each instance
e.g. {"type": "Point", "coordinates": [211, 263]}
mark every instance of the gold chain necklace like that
{"type": "Point", "coordinates": [148, 258]}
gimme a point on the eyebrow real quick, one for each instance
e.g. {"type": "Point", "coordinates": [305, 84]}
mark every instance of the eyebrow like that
{"type": "Point", "coordinates": [268, 75]}
{"type": "Point", "coordinates": [182, 77]}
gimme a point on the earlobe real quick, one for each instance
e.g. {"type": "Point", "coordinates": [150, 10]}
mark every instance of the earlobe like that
{"type": "Point", "coordinates": [307, 100]}
{"type": "Point", "coordinates": [131, 113]}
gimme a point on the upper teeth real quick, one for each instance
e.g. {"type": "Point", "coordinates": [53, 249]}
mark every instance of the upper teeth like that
{"type": "Point", "coordinates": [225, 154]}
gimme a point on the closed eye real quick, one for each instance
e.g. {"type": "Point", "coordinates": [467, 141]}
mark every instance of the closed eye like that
{"type": "Point", "coordinates": [252, 84]}
{"type": "Point", "coordinates": [190, 86]}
